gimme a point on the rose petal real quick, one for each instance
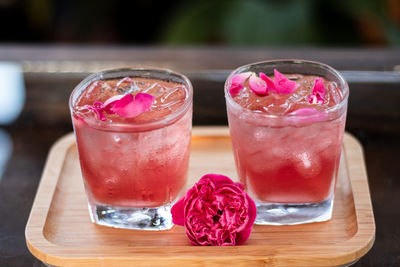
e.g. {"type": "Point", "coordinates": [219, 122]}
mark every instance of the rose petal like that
{"type": "Point", "coordinates": [115, 103]}
{"type": "Point", "coordinates": [318, 92]}
{"type": "Point", "coordinates": [113, 99]}
{"type": "Point", "coordinates": [177, 212]}
{"type": "Point", "coordinates": [109, 103]}
{"type": "Point", "coordinates": [98, 105]}
{"type": "Point", "coordinates": [97, 111]}
{"type": "Point", "coordinates": [237, 82]}
{"type": "Point", "coordinates": [240, 78]}
{"type": "Point", "coordinates": [239, 185]}
{"type": "Point", "coordinates": [235, 89]}
{"type": "Point", "coordinates": [269, 82]}
{"type": "Point", "coordinates": [282, 84]}
{"type": "Point", "coordinates": [319, 87]}
{"type": "Point", "coordinates": [245, 234]}
{"type": "Point", "coordinates": [257, 85]}
{"type": "Point", "coordinates": [126, 107]}
{"type": "Point", "coordinates": [217, 179]}
{"type": "Point", "coordinates": [252, 210]}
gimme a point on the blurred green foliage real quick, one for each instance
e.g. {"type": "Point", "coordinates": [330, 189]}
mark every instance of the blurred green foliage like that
{"type": "Point", "coordinates": [204, 22]}
{"type": "Point", "coordinates": [286, 22]}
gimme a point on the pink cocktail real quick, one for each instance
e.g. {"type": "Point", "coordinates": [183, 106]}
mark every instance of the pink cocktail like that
{"type": "Point", "coordinates": [287, 144]}
{"type": "Point", "coordinates": [133, 167]}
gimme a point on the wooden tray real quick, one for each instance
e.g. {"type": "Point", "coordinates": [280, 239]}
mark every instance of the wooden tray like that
{"type": "Point", "coordinates": [59, 231]}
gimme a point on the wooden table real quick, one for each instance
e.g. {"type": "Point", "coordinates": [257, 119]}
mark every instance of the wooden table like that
{"type": "Point", "coordinates": [51, 72]}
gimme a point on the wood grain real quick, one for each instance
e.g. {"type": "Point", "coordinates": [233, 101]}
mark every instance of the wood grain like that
{"type": "Point", "coordinates": [59, 231]}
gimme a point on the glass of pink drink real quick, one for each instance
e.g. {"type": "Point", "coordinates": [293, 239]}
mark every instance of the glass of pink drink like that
{"type": "Point", "coordinates": [133, 168]}
{"type": "Point", "coordinates": [287, 146]}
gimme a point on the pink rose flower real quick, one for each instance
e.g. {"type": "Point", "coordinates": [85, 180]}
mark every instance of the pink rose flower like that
{"type": "Point", "coordinates": [215, 212]}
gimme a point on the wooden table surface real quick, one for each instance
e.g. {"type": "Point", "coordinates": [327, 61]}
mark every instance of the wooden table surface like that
{"type": "Point", "coordinates": [51, 72]}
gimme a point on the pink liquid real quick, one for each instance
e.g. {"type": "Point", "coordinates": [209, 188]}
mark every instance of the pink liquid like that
{"type": "Point", "coordinates": [126, 168]}
{"type": "Point", "coordinates": [291, 162]}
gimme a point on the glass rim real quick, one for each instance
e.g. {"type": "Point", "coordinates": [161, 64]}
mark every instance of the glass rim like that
{"type": "Point", "coordinates": [235, 105]}
{"type": "Point", "coordinates": [154, 123]}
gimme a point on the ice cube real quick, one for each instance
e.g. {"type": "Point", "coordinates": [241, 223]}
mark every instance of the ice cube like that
{"type": "Point", "coordinates": [307, 164]}
{"type": "Point", "coordinates": [154, 89]}
{"type": "Point", "coordinates": [260, 134]}
{"type": "Point", "coordinates": [105, 87]}
{"type": "Point", "coordinates": [172, 94]}
{"type": "Point", "coordinates": [294, 77]}
{"type": "Point", "coordinates": [335, 93]}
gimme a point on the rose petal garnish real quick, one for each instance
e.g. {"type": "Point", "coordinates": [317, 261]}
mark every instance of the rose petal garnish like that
{"type": "Point", "coordinates": [318, 92]}
{"type": "Point", "coordinates": [113, 99]}
{"type": "Point", "coordinates": [235, 89]}
{"type": "Point", "coordinates": [262, 85]}
{"type": "Point", "coordinates": [257, 85]}
{"type": "Point", "coordinates": [125, 106]}
{"type": "Point", "coordinates": [269, 82]}
{"type": "Point", "coordinates": [282, 84]}
{"type": "Point", "coordinates": [97, 110]}
{"type": "Point", "coordinates": [237, 82]}
{"type": "Point", "coordinates": [319, 87]}
{"type": "Point", "coordinates": [241, 78]}
{"type": "Point", "coordinates": [129, 108]}
{"type": "Point", "coordinates": [215, 212]}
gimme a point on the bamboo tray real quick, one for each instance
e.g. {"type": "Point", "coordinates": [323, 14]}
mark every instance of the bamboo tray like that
{"type": "Point", "coordinates": [59, 231]}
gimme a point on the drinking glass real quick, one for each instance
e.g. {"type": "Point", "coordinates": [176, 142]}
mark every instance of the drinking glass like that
{"type": "Point", "coordinates": [133, 172]}
{"type": "Point", "coordinates": [289, 162]}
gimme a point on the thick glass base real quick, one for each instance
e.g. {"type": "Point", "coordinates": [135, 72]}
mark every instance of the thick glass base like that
{"type": "Point", "coordinates": [154, 218]}
{"type": "Point", "coordinates": [289, 214]}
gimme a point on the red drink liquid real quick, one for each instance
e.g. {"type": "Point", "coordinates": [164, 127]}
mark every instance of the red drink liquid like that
{"type": "Point", "coordinates": [133, 163]}
{"type": "Point", "coordinates": [134, 169]}
{"type": "Point", "coordinates": [284, 158]}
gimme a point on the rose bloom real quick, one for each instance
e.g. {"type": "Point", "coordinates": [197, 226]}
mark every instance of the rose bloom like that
{"type": "Point", "coordinates": [215, 212]}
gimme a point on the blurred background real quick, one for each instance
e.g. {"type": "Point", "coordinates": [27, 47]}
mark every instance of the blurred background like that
{"type": "Point", "coordinates": [203, 22]}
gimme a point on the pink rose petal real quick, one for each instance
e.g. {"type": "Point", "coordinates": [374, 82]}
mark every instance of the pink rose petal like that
{"type": "Point", "coordinates": [237, 82]}
{"type": "Point", "coordinates": [242, 236]}
{"type": "Point", "coordinates": [319, 87]}
{"type": "Point", "coordinates": [178, 216]}
{"type": "Point", "coordinates": [318, 92]}
{"type": "Point", "coordinates": [240, 78]}
{"type": "Point", "coordinates": [113, 104]}
{"type": "Point", "coordinates": [282, 84]}
{"type": "Point", "coordinates": [97, 111]}
{"type": "Point", "coordinates": [235, 88]}
{"type": "Point", "coordinates": [269, 82]}
{"type": "Point", "coordinates": [257, 85]}
{"type": "Point", "coordinates": [216, 211]}
{"type": "Point", "coordinates": [112, 99]}
{"type": "Point", "coordinates": [126, 107]}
